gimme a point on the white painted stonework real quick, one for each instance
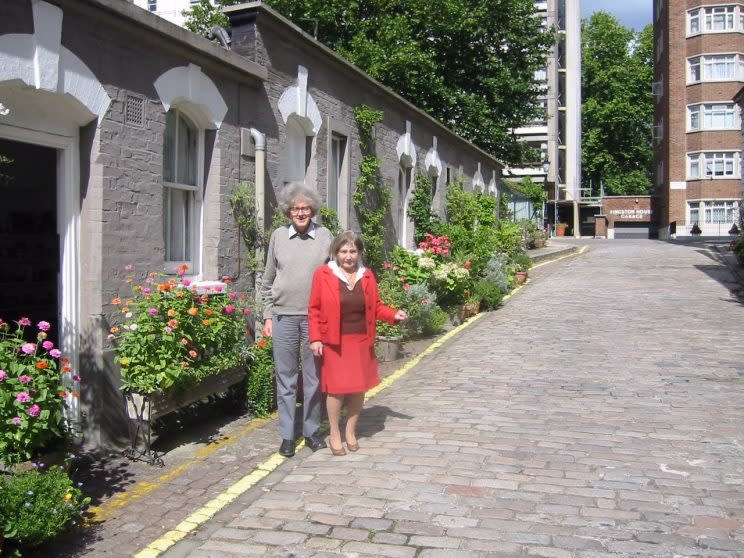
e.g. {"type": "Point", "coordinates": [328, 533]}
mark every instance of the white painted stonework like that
{"type": "Point", "coordinates": [296, 100]}
{"type": "Point", "coordinates": [478, 183]}
{"type": "Point", "coordinates": [188, 84]}
{"type": "Point", "coordinates": [405, 148]}
{"type": "Point", "coordinates": [40, 61]}
{"type": "Point", "coordinates": [432, 162]}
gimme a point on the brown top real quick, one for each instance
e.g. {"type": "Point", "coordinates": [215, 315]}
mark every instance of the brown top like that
{"type": "Point", "coordinates": [352, 308]}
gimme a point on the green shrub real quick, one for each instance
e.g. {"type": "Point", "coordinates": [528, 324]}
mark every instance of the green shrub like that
{"type": "Point", "coordinates": [36, 506]}
{"type": "Point", "coordinates": [260, 380]}
{"type": "Point", "coordinates": [496, 272]}
{"type": "Point", "coordinates": [391, 293]}
{"type": "Point", "coordinates": [424, 314]}
{"type": "Point", "coordinates": [489, 293]}
{"type": "Point", "coordinates": [329, 219]}
{"type": "Point", "coordinates": [522, 261]}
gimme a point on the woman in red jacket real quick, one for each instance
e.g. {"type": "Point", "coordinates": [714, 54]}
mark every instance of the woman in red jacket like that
{"type": "Point", "coordinates": [344, 306]}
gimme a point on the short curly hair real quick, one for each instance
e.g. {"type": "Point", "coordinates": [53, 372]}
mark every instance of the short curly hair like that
{"type": "Point", "coordinates": [294, 191]}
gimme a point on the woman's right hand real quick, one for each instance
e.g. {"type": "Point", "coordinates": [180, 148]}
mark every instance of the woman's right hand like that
{"type": "Point", "coordinates": [267, 328]}
{"type": "Point", "coordinates": [317, 348]}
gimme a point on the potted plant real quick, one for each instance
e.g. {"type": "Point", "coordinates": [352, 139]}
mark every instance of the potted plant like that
{"type": "Point", "coordinates": [389, 345]}
{"type": "Point", "coordinates": [520, 274]}
{"type": "Point", "coordinates": [175, 342]}
{"type": "Point", "coordinates": [696, 230]}
{"type": "Point", "coordinates": [36, 506]}
{"type": "Point", "coordinates": [560, 229]}
{"type": "Point", "coordinates": [35, 382]}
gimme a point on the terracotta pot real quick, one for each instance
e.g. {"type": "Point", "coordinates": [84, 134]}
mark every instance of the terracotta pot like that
{"type": "Point", "coordinates": [560, 229]}
{"type": "Point", "coordinates": [521, 277]}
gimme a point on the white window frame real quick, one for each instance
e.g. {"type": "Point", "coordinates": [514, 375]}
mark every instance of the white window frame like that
{"type": "Point", "coordinates": [191, 238]}
{"type": "Point", "coordinates": [700, 68]}
{"type": "Point", "coordinates": [702, 19]}
{"type": "Point", "coordinates": [712, 211]}
{"type": "Point", "coordinates": [339, 175]}
{"type": "Point", "coordinates": [699, 115]}
{"type": "Point", "coordinates": [705, 165]}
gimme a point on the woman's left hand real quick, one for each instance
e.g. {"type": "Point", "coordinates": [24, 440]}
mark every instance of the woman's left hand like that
{"type": "Point", "coordinates": [400, 316]}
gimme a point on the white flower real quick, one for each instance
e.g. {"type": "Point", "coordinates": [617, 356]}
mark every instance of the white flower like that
{"type": "Point", "coordinates": [125, 326]}
{"type": "Point", "coordinates": [133, 327]}
{"type": "Point", "coordinates": [128, 315]}
{"type": "Point", "coordinates": [460, 272]}
{"type": "Point", "coordinates": [427, 263]}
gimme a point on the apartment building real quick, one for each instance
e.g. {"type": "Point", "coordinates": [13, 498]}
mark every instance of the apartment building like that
{"type": "Point", "coordinates": [698, 69]}
{"type": "Point", "coordinates": [558, 135]}
{"type": "Point", "coordinates": [172, 10]}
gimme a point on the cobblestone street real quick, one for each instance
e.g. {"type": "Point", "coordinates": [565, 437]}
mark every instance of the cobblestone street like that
{"type": "Point", "coordinates": [598, 413]}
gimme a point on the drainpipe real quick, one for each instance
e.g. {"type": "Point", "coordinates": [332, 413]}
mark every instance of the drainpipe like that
{"type": "Point", "coordinates": [259, 141]}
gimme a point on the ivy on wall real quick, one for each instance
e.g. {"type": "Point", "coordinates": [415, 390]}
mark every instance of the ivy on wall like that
{"type": "Point", "coordinates": [371, 198]}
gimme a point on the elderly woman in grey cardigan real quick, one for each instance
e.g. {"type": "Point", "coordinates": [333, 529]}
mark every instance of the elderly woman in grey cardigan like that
{"type": "Point", "coordinates": [295, 252]}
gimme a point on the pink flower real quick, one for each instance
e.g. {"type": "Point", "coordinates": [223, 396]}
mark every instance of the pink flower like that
{"type": "Point", "coordinates": [218, 289]}
{"type": "Point", "coordinates": [229, 309]}
{"type": "Point", "coordinates": [149, 280]}
{"type": "Point", "coordinates": [55, 353]}
{"type": "Point", "coordinates": [232, 296]}
{"type": "Point", "coordinates": [28, 348]}
{"type": "Point", "coordinates": [425, 301]}
{"type": "Point", "coordinates": [153, 311]}
{"type": "Point", "coordinates": [168, 329]}
{"type": "Point", "coordinates": [76, 378]}
{"type": "Point", "coordinates": [48, 345]}
{"type": "Point", "coordinates": [111, 337]}
{"type": "Point", "coordinates": [3, 375]}
{"type": "Point", "coordinates": [24, 379]}
{"type": "Point", "coordinates": [128, 267]}
{"type": "Point", "coordinates": [16, 420]}
{"type": "Point", "coordinates": [34, 410]}
{"type": "Point", "coordinates": [23, 397]}
{"type": "Point", "coordinates": [186, 282]}
{"type": "Point", "coordinates": [246, 311]}
{"type": "Point", "coordinates": [388, 266]}
{"type": "Point", "coordinates": [406, 286]}
{"type": "Point", "coordinates": [24, 321]}
{"type": "Point", "coordinates": [147, 290]}
{"type": "Point", "coordinates": [44, 326]}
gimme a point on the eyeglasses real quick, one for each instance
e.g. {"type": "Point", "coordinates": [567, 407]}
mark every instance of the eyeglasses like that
{"type": "Point", "coordinates": [300, 210]}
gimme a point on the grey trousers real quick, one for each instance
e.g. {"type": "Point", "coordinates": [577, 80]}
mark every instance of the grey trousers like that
{"type": "Point", "coordinates": [291, 342]}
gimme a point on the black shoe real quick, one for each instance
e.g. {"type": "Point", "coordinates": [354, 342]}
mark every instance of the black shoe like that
{"type": "Point", "coordinates": [315, 442]}
{"type": "Point", "coordinates": [287, 449]}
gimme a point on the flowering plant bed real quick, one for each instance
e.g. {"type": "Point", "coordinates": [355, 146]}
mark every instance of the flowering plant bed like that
{"type": "Point", "coordinates": [33, 380]}
{"type": "Point", "coordinates": [175, 334]}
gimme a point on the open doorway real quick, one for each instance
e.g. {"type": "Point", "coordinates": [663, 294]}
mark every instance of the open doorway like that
{"type": "Point", "coordinates": [29, 245]}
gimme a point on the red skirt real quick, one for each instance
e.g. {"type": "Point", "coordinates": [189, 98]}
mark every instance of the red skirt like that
{"type": "Point", "coordinates": [350, 367]}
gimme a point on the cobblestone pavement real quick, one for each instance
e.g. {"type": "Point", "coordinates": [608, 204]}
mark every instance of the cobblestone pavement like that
{"type": "Point", "coordinates": [600, 412]}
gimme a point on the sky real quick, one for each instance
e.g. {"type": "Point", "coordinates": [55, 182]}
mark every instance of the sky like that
{"type": "Point", "coordinates": [634, 14]}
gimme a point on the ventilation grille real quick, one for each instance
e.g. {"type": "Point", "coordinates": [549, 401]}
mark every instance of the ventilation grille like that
{"type": "Point", "coordinates": [134, 112]}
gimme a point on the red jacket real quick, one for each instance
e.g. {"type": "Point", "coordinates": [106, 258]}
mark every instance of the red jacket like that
{"type": "Point", "coordinates": [324, 312]}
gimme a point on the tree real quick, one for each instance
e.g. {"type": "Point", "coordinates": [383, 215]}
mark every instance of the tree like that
{"type": "Point", "coordinates": [617, 109]}
{"type": "Point", "coordinates": [468, 63]}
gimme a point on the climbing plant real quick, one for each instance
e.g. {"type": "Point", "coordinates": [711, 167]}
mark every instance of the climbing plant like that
{"type": "Point", "coordinates": [371, 198]}
{"type": "Point", "coordinates": [243, 206]}
{"type": "Point", "coordinates": [419, 208]}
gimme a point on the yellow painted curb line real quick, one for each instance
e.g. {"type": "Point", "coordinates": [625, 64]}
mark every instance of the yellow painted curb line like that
{"type": "Point", "coordinates": [559, 258]}
{"type": "Point", "coordinates": [100, 513]}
